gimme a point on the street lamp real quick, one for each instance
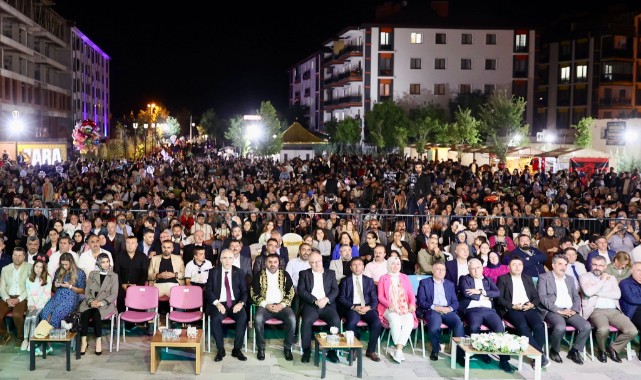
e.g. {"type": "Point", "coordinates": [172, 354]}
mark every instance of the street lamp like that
{"type": "Point", "coordinates": [15, 126]}
{"type": "Point", "coordinates": [135, 125]}
{"type": "Point", "coordinates": [146, 125]}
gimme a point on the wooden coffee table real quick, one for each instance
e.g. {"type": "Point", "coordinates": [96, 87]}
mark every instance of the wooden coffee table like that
{"type": "Point", "coordinates": [157, 342]}
{"type": "Point", "coordinates": [531, 352]}
{"type": "Point", "coordinates": [33, 342]}
{"type": "Point", "coordinates": [322, 345]}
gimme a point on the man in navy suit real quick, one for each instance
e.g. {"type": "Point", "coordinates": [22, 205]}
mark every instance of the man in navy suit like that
{"type": "Point", "coordinates": [437, 301]}
{"type": "Point", "coordinates": [457, 268]}
{"type": "Point", "coordinates": [226, 295]}
{"type": "Point", "coordinates": [475, 305]}
{"type": "Point", "coordinates": [317, 291]}
{"type": "Point", "coordinates": [518, 303]}
{"type": "Point", "coordinates": [601, 250]}
{"type": "Point", "coordinates": [361, 305]}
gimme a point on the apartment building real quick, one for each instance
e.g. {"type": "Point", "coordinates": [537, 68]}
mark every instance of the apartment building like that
{"type": "Point", "coordinates": [52, 75]}
{"type": "Point", "coordinates": [588, 66]}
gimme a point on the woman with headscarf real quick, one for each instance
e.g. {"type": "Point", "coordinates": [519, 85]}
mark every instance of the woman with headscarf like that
{"type": "Point", "coordinates": [494, 267]}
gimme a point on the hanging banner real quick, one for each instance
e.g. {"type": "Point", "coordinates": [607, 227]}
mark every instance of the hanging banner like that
{"type": "Point", "coordinates": [35, 153]}
{"type": "Point", "coordinates": [588, 165]}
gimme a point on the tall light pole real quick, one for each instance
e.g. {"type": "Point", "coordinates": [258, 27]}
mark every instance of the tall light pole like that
{"type": "Point", "coordinates": [15, 126]}
{"type": "Point", "coordinates": [191, 125]}
{"type": "Point", "coordinates": [135, 125]}
{"type": "Point", "coordinates": [146, 125]}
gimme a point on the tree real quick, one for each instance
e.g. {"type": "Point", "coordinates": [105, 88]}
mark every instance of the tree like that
{"type": "Point", "coordinates": [171, 128]}
{"type": "Point", "coordinates": [424, 122]}
{"type": "Point", "coordinates": [348, 132]}
{"type": "Point", "coordinates": [211, 125]}
{"type": "Point", "coordinates": [583, 134]}
{"type": "Point", "coordinates": [502, 121]}
{"type": "Point", "coordinates": [272, 134]}
{"type": "Point", "coordinates": [465, 130]}
{"type": "Point", "coordinates": [388, 125]}
{"type": "Point", "coordinates": [472, 100]}
{"type": "Point", "coordinates": [236, 135]}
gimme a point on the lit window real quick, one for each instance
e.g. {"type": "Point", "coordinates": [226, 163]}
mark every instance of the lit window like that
{"type": "Point", "coordinates": [581, 72]}
{"type": "Point", "coordinates": [385, 38]}
{"type": "Point", "coordinates": [565, 74]}
{"type": "Point", "coordinates": [416, 38]}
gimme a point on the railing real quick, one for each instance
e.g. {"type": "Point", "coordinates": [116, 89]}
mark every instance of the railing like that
{"type": "Point", "coordinates": [359, 217]}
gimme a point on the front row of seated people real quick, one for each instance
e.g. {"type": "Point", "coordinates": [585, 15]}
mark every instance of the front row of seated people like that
{"type": "Point", "coordinates": [390, 303]}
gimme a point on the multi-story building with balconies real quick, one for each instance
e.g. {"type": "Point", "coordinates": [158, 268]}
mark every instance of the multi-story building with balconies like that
{"type": "Point", "coordinates": [412, 64]}
{"type": "Point", "coordinates": [52, 75]}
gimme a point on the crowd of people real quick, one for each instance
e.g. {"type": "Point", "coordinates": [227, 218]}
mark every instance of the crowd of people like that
{"type": "Point", "coordinates": [501, 248]}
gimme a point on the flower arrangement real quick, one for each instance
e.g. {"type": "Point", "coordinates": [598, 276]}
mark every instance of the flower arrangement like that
{"type": "Point", "coordinates": [499, 342]}
{"type": "Point", "coordinates": [86, 136]}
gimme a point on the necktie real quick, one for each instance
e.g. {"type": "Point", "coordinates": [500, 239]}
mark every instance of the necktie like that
{"type": "Point", "coordinates": [360, 291]}
{"type": "Point", "coordinates": [576, 274]}
{"type": "Point", "coordinates": [227, 290]}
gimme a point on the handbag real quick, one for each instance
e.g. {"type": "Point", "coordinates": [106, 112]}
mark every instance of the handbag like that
{"type": "Point", "coordinates": [43, 329]}
{"type": "Point", "coordinates": [71, 322]}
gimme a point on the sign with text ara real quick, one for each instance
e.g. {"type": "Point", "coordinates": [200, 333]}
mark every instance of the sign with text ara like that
{"type": "Point", "coordinates": [38, 153]}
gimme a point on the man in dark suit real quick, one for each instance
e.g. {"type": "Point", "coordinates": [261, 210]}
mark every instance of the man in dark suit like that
{"type": "Point", "coordinates": [559, 310]}
{"type": "Point", "coordinates": [360, 305]}
{"type": "Point", "coordinates": [226, 297]}
{"type": "Point", "coordinates": [318, 302]}
{"type": "Point", "coordinates": [438, 304]}
{"type": "Point", "coordinates": [475, 305]}
{"type": "Point", "coordinates": [199, 239]}
{"type": "Point", "coordinates": [149, 245]}
{"type": "Point", "coordinates": [457, 268]}
{"type": "Point", "coordinates": [131, 267]}
{"type": "Point", "coordinates": [518, 303]}
{"type": "Point", "coordinates": [242, 262]}
{"type": "Point", "coordinates": [115, 241]}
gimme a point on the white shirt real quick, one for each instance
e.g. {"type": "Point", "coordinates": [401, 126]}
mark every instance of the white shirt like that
{"type": "Point", "coordinates": [223, 293]}
{"type": "Point", "coordinates": [357, 297]}
{"type": "Point", "coordinates": [87, 262]}
{"type": "Point", "coordinates": [563, 299]}
{"type": "Point", "coordinates": [54, 262]}
{"type": "Point", "coordinates": [198, 274]}
{"type": "Point", "coordinates": [273, 294]}
{"type": "Point", "coordinates": [605, 256]}
{"type": "Point", "coordinates": [462, 270]}
{"type": "Point", "coordinates": [14, 288]}
{"type": "Point", "coordinates": [483, 300]}
{"type": "Point", "coordinates": [375, 270]}
{"type": "Point", "coordinates": [294, 267]}
{"type": "Point", "coordinates": [519, 296]}
{"type": "Point", "coordinates": [318, 290]}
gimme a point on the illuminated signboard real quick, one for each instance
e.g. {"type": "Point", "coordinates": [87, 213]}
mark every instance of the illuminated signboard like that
{"type": "Point", "coordinates": [49, 154]}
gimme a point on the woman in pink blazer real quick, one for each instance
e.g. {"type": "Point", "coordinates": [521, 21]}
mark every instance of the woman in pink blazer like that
{"type": "Point", "coordinates": [397, 306]}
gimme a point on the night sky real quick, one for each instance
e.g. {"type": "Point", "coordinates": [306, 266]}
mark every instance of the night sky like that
{"type": "Point", "coordinates": [190, 57]}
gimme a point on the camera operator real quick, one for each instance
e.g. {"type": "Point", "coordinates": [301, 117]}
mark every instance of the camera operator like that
{"type": "Point", "coordinates": [419, 186]}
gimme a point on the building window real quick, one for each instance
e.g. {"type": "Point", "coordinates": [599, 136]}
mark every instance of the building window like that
{"type": "Point", "coordinates": [416, 38]}
{"type": "Point", "coordinates": [466, 39]}
{"type": "Point", "coordinates": [489, 89]}
{"type": "Point", "coordinates": [466, 64]}
{"type": "Point", "coordinates": [607, 71]}
{"type": "Point", "coordinates": [415, 63]}
{"type": "Point", "coordinates": [490, 64]}
{"type": "Point", "coordinates": [490, 39]}
{"type": "Point", "coordinates": [441, 39]}
{"type": "Point", "coordinates": [385, 36]}
{"type": "Point", "coordinates": [520, 42]}
{"type": "Point", "coordinates": [565, 74]}
{"type": "Point", "coordinates": [439, 64]}
{"type": "Point", "coordinates": [439, 89]}
{"type": "Point", "coordinates": [415, 89]}
{"type": "Point", "coordinates": [384, 89]}
{"type": "Point", "coordinates": [464, 89]}
{"type": "Point", "coordinates": [581, 72]}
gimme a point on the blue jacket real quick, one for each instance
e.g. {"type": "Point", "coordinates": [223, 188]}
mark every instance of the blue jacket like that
{"type": "Point", "coordinates": [346, 292]}
{"type": "Point", "coordinates": [425, 296]}
{"type": "Point", "coordinates": [630, 296]}
{"type": "Point", "coordinates": [533, 265]}
{"type": "Point", "coordinates": [591, 254]}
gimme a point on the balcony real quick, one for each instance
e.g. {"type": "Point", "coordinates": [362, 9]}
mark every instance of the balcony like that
{"type": "Point", "coordinates": [345, 52]}
{"type": "Point", "coordinates": [385, 72]}
{"type": "Point", "coordinates": [387, 47]}
{"type": "Point", "coordinates": [348, 76]}
{"type": "Point", "coordinates": [616, 102]}
{"type": "Point", "coordinates": [616, 53]}
{"type": "Point", "coordinates": [616, 78]}
{"type": "Point", "coordinates": [307, 75]}
{"type": "Point", "coordinates": [343, 101]}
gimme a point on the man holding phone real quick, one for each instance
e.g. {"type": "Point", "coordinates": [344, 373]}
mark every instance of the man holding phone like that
{"type": "Point", "coordinates": [622, 237]}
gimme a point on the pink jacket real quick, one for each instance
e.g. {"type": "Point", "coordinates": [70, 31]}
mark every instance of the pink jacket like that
{"type": "Point", "coordinates": [383, 296]}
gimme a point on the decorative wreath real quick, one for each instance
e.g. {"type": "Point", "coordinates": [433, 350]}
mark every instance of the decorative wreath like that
{"type": "Point", "coordinates": [86, 137]}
